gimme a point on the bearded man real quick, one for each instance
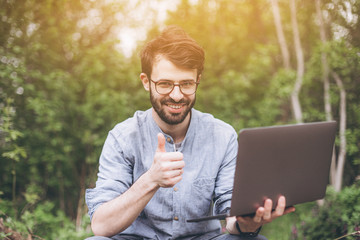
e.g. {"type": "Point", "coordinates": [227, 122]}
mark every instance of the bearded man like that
{"type": "Point", "coordinates": [170, 163]}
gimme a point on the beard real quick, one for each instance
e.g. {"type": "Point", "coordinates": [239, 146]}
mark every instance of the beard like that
{"type": "Point", "coordinates": [171, 118]}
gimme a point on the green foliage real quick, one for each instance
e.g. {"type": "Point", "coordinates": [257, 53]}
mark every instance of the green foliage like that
{"type": "Point", "coordinates": [286, 227]}
{"type": "Point", "coordinates": [11, 152]}
{"type": "Point", "coordinates": [63, 86]}
{"type": "Point", "coordinates": [69, 88]}
{"type": "Point", "coordinates": [11, 135]}
{"type": "Point", "coordinates": [345, 61]}
{"type": "Point", "coordinates": [45, 222]}
{"type": "Point", "coordinates": [340, 215]}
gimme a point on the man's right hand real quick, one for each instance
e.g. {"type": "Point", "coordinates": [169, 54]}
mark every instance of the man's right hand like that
{"type": "Point", "coordinates": [167, 167]}
{"type": "Point", "coordinates": [118, 214]}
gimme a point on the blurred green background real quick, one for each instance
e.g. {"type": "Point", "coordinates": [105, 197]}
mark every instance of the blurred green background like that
{"type": "Point", "coordinates": [69, 71]}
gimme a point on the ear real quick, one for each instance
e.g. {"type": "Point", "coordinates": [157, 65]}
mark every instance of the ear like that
{"type": "Point", "coordinates": [199, 77]}
{"type": "Point", "coordinates": [145, 81]}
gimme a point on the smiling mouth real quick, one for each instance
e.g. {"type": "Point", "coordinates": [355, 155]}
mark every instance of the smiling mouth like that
{"type": "Point", "coordinates": [175, 106]}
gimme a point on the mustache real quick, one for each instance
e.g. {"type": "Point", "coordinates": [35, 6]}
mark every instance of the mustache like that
{"type": "Point", "coordinates": [170, 100]}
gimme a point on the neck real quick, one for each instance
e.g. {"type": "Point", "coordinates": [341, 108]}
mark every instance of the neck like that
{"type": "Point", "coordinates": [177, 131]}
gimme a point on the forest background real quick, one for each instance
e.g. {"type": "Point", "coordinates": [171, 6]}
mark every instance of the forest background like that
{"type": "Point", "coordinates": [66, 80]}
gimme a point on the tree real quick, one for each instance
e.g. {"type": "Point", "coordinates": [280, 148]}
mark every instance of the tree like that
{"type": "Point", "coordinates": [280, 34]}
{"type": "Point", "coordinates": [325, 76]}
{"type": "Point", "coordinates": [300, 65]}
{"type": "Point", "coordinates": [337, 167]}
{"type": "Point", "coordinates": [342, 131]}
{"type": "Point", "coordinates": [69, 86]}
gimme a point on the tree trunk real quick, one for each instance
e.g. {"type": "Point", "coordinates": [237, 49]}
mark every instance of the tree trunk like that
{"type": "Point", "coordinates": [324, 63]}
{"type": "Point", "coordinates": [300, 65]}
{"type": "Point", "coordinates": [280, 34]}
{"type": "Point", "coordinates": [61, 187]}
{"type": "Point", "coordinates": [81, 202]}
{"type": "Point", "coordinates": [326, 81]}
{"type": "Point", "coordinates": [325, 78]}
{"type": "Point", "coordinates": [342, 149]}
{"type": "Point", "coordinates": [13, 171]}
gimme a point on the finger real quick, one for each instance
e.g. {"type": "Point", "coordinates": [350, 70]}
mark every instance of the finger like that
{"type": "Point", "coordinates": [289, 210]}
{"type": "Point", "coordinates": [268, 207]}
{"type": "Point", "coordinates": [280, 207]}
{"type": "Point", "coordinates": [177, 165]}
{"type": "Point", "coordinates": [259, 214]}
{"type": "Point", "coordinates": [177, 179]}
{"type": "Point", "coordinates": [177, 172]}
{"type": "Point", "coordinates": [174, 180]}
{"type": "Point", "coordinates": [172, 157]}
{"type": "Point", "coordinates": [166, 166]}
{"type": "Point", "coordinates": [176, 156]}
{"type": "Point", "coordinates": [161, 143]}
{"type": "Point", "coordinates": [173, 173]}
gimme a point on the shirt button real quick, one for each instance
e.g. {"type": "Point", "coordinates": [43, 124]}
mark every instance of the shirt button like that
{"type": "Point", "coordinates": [176, 218]}
{"type": "Point", "coordinates": [168, 139]}
{"type": "Point", "coordinates": [176, 189]}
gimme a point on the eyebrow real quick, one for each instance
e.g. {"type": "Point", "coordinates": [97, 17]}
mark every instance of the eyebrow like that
{"type": "Point", "coordinates": [183, 80]}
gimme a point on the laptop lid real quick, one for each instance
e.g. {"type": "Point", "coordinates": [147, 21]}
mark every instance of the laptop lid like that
{"type": "Point", "coordinates": [291, 160]}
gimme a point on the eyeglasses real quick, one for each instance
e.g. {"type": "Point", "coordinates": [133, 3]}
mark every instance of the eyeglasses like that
{"type": "Point", "coordinates": [187, 87]}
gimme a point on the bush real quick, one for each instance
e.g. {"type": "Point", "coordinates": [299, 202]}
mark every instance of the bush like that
{"type": "Point", "coordinates": [339, 216]}
{"type": "Point", "coordinates": [44, 222]}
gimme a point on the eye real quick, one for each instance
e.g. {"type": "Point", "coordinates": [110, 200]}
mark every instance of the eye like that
{"type": "Point", "coordinates": [165, 84]}
{"type": "Point", "coordinates": [187, 84]}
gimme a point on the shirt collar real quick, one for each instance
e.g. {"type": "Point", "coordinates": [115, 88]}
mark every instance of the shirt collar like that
{"type": "Point", "coordinates": [191, 129]}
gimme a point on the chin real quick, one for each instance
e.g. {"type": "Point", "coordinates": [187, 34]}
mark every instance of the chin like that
{"type": "Point", "coordinates": [173, 119]}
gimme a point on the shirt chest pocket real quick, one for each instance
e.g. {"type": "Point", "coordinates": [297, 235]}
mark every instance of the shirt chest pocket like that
{"type": "Point", "coordinates": [200, 198]}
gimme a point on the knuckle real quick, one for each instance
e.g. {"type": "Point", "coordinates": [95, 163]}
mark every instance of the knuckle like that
{"type": "Point", "coordinates": [165, 175]}
{"type": "Point", "coordinates": [177, 156]}
{"type": "Point", "coordinates": [170, 184]}
{"type": "Point", "coordinates": [175, 180]}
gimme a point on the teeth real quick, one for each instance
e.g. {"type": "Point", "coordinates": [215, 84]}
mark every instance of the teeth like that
{"type": "Point", "coordinates": [175, 106]}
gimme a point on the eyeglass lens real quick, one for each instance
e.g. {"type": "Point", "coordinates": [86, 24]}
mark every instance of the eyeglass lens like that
{"type": "Point", "coordinates": [165, 87]}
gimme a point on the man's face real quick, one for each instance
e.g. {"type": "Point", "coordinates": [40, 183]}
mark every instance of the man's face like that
{"type": "Point", "coordinates": [174, 107]}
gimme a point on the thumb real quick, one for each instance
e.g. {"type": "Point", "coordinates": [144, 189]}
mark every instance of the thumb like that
{"type": "Point", "coordinates": [161, 143]}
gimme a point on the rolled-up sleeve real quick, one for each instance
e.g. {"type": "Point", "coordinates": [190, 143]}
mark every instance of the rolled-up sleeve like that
{"type": "Point", "coordinates": [115, 174]}
{"type": "Point", "coordinates": [225, 178]}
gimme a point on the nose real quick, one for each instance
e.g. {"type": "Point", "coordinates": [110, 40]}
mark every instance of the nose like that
{"type": "Point", "coordinates": [176, 94]}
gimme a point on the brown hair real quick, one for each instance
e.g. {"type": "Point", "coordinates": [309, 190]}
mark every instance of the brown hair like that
{"type": "Point", "coordinates": [175, 45]}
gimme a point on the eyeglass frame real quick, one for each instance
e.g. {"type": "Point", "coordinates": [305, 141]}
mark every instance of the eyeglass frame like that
{"type": "Point", "coordinates": [174, 84]}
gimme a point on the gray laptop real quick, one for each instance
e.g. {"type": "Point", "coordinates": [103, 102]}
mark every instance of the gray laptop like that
{"type": "Point", "coordinates": [290, 160]}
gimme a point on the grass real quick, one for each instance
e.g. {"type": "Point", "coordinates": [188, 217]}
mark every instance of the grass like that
{"type": "Point", "coordinates": [286, 227]}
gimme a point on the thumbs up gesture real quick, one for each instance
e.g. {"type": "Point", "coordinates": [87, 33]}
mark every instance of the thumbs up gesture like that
{"type": "Point", "coordinates": [167, 167]}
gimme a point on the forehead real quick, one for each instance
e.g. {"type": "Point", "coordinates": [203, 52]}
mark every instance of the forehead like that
{"type": "Point", "coordinates": [165, 69]}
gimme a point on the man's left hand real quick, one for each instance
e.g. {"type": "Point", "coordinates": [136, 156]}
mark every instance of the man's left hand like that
{"type": "Point", "coordinates": [264, 215]}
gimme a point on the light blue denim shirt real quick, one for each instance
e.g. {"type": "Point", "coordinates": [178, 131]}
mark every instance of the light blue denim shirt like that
{"type": "Point", "coordinates": [209, 149]}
